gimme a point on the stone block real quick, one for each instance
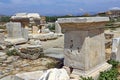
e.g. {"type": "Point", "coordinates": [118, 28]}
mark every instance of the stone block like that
{"type": "Point", "coordinates": [16, 34]}
{"type": "Point", "coordinates": [57, 28]}
{"type": "Point", "coordinates": [84, 47]}
{"type": "Point", "coordinates": [115, 49]}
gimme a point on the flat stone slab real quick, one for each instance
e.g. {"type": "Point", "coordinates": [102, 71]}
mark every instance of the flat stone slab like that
{"type": "Point", "coordinates": [46, 36]}
{"type": "Point", "coordinates": [2, 30]}
{"type": "Point", "coordinates": [16, 41]}
{"type": "Point", "coordinates": [34, 46]}
{"type": "Point", "coordinates": [30, 75]}
{"type": "Point", "coordinates": [2, 54]}
{"type": "Point", "coordinates": [77, 23]}
{"type": "Point", "coordinates": [82, 19]}
{"type": "Point", "coordinates": [55, 53]}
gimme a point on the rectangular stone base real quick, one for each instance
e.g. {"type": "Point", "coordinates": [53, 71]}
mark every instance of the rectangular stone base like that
{"type": "Point", "coordinates": [16, 41]}
{"type": "Point", "coordinates": [95, 72]}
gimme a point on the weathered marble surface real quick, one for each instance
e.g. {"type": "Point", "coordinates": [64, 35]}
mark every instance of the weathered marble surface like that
{"type": "Point", "coordinates": [35, 29]}
{"type": "Point", "coordinates": [55, 74]}
{"type": "Point", "coordinates": [115, 49]}
{"type": "Point", "coordinates": [46, 36]}
{"type": "Point", "coordinates": [82, 19]}
{"type": "Point", "coordinates": [14, 30]}
{"type": "Point", "coordinates": [57, 28]}
{"type": "Point", "coordinates": [84, 47]}
{"type": "Point", "coordinates": [16, 34]}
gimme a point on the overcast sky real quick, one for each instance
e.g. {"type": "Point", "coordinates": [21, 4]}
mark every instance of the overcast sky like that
{"type": "Point", "coordinates": [56, 7]}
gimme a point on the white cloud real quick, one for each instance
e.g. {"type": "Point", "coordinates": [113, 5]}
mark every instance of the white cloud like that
{"type": "Point", "coordinates": [115, 8]}
{"type": "Point", "coordinates": [81, 9]}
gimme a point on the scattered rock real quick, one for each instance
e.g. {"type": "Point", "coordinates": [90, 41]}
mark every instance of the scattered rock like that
{"type": "Point", "coordinates": [45, 30]}
{"type": "Point", "coordinates": [31, 52]}
{"type": "Point", "coordinates": [44, 37]}
{"type": "Point", "coordinates": [9, 60]}
{"type": "Point", "coordinates": [35, 42]}
{"type": "Point", "coordinates": [1, 73]}
{"type": "Point", "coordinates": [25, 65]}
{"type": "Point", "coordinates": [4, 65]}
{"type": "Point", "coordinates": [11, 77]}
{"type": "Point", "coordinates": [55, 74]}
{"type": "Point", "coordinates": [3, 58]}
{"type": "Point", "coordinates": [10, 67]}
{"type": "Point", "coordinates": [2, 47]}
{"type": "Point", "coordinates": [2, 54]}
{"type": "Point", "coordinates": [45, 61]}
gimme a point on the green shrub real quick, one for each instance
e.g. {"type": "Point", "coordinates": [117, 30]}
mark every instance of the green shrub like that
{"type": "Point", "coordinates": [113, 63]}
{"type": "Point", "coordinates": [12, 52]}
{"type": "Point", "coordinates": [51, 65]}
{"type": "Point", "coordinates": [51, 27]}
{"type": "Point", "coordinates": [109, 24]}
{"type": "Point", "coordinates": [88, 78]}
{"type": "Point", "coordinates": [112, 74]}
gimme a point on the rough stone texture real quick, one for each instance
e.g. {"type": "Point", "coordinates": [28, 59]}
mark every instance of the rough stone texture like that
{"type": "Point", "coordinates": [25, 33]}
{"type": "Point", "coordinates": [11, 77]}
{"type": "Point", "coordinates": [47, 36]}
{"type": "Point", "coordinates": [25, 15]}
{"type": "Point", "coordinates": [35, 42]}
{"type": "Point", "coordinates": [82, 23]}
{"type": "Point", "coordinates": [2, 42]}
{"type": "Point", "coordinates": [2, 47]}
{"type": "Point", "coordinates": [57, 28]}
{"type": "Point", "coordinates": [15, 34]}
{"type": "Point", "coordinates": [115, 49]}
{"type": "Point", "coordinates": [2, 30]}
{"type": "Point", "coordinates": [2, 37]}
{"type": "Point", "coordinates": [55, 74]}
{"type": "Point", "coordinates": [85, 45]}
{"type": "Point", "coordinates": [35, 29]}
{"type": "Point", "coordinates": [45, 30]}
{"type": "Point", "coordinates": [3, 56]}
{"type": "Point", "coordinates": [32, 52]}
{"type": "Point", "coordinates": [82, 19]}
{"type": "Point", "coordinates": [14, 30]}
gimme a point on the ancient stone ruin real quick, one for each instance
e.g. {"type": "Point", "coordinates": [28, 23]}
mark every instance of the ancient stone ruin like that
{"type": "Point", "coordinates": [84, 45]}
{"type": "Point", "coordinates": [36, 25]}
{"type": "Point", "coordinates": [115, 55]}
{"type": "Point", "coordinates": [16, 33]}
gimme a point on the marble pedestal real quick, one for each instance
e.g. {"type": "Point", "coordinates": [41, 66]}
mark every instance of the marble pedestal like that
{"type": "Point", "coordinates": [16, 34]}
{"type": "Point", "coordinates": [84, 47]}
